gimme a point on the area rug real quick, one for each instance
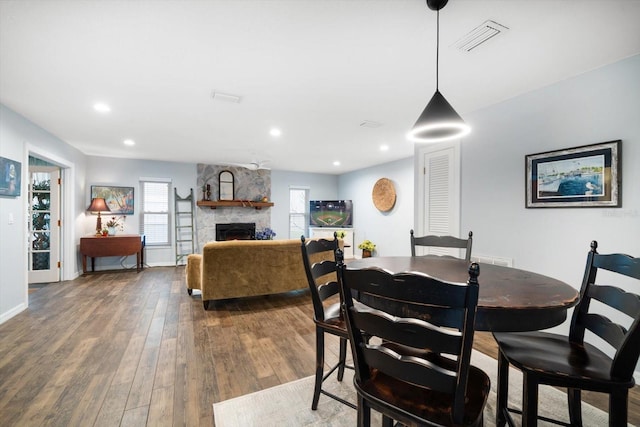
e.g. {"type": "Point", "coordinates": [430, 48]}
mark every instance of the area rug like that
{"type": "Point", "coordinates": [290, 404]}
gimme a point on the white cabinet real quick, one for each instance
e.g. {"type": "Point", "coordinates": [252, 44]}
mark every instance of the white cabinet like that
{"type": "Point", "coordinates": [327, 233]}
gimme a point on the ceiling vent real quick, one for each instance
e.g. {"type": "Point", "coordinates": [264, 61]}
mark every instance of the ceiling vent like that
{"type": "Point", "coordinates": [226, 97]}
{"type": "Point", "coordinates": [370, 124]}
{"type": "Point", "coordinates": [485, 31]}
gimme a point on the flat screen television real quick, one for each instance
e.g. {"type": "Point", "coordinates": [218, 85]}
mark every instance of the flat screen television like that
{"type": "Point", "coordinates": [331, 213]}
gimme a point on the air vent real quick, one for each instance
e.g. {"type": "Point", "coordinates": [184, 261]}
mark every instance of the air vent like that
{"type": "Point", "coordinates": [482, 33]}
{"type": "Point", "coordinates": [226, 97]}
{"type": "Point", "coordinates": [370, 124]}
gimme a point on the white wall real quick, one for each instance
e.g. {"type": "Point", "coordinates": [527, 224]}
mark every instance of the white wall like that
{"type": "Point", "coordinates": [18, 138]}
{"type": "Point", "coordinates": [598, 106]}
{"type": "Point", "coordinates": [388, 230]}
{"type": "Point", "coordinates": [127, 173]}
{"type": "Point", "coordinates": [321, 186]}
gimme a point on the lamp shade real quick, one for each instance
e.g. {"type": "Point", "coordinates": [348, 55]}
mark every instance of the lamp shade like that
{"type": "Point", "coordinates": [438, 122]}
{"type": "Point", "coordinates": [98, 204]}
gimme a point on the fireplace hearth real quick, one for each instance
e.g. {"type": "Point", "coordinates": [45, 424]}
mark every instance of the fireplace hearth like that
{"type": "Point", "coordinates": [236, 231]}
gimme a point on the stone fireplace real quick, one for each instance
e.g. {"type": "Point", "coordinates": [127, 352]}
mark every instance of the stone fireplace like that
{"type": "Point", "coordinates": [249, 185]}
{"type": "Point", "coordinates": [236, 231]}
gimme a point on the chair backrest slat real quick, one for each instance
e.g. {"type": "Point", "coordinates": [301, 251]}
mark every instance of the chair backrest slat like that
{"type": "Point", "coordinates": [617, 298]}
{"type": "Point", "coordinates": [411, 369]}
{"type": "Point", "coordinates": [318, 257]}
{"type": "Point", "coordinates": [442, 242]}
{"type": "Point", "coordinates": [625, 340]}
{"type": "Point", "coordinates": [409, 331]}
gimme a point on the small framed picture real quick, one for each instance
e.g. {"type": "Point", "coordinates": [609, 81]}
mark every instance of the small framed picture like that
{"type": "Point", "coordinates": [585, 176]}
{"type": "Point", "coordinates": [119, 199]}
{"type": "Point", "coordinates": [10, 177]}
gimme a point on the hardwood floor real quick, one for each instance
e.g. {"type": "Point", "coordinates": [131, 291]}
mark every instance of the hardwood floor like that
{"type": "Point", "coordinates": [121, 348]}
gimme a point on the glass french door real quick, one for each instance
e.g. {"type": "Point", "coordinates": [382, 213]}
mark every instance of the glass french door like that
{"type": "Point", "coordinates": [44, 224]}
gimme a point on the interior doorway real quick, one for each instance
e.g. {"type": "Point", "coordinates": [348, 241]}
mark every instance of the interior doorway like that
{"type": "Point", "coordinates": [44, 222]}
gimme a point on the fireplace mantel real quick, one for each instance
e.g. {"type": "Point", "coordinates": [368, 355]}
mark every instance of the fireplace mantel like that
{"type": "Point", "coordinates": [233, 203]}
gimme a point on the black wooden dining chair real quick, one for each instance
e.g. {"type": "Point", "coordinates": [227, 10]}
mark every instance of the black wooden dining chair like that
{"type": "Point", "coordinates": [443, 242]}
{"type": "Point", "coordinates": [319, 261]}
{"type": "Point", "coordinates": [415, 367]}
{"type": "Point", "coordinates": [570, 362]}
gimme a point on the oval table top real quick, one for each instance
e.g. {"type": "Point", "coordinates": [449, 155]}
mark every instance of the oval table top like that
{"type": "Point", "coordinates": [510, 299]}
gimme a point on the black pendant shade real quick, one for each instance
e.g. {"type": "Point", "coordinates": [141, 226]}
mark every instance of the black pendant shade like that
{"type": "Point", "coordinates": [438, 121]}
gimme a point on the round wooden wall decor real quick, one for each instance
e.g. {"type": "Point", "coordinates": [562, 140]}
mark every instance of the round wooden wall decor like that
{"type": "Point", "coordinates": [384, 195]}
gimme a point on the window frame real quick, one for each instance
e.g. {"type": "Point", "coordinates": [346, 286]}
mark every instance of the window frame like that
{"type": "Point", "coordinates": [143, 212]}
{"type": "Point", "coordinates": [305, 215]}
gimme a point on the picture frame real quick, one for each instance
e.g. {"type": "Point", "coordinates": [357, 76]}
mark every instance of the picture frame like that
{"type": "Point", "coordinates": [588, 176]}
{"type": "Point", "coordinates": [119, 199]}
{"type": "Point", "coordinates": [10, 177]}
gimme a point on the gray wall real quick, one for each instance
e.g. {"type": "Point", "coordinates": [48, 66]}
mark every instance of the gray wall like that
{"type": "Point", "coordinates": [388, 230]}
{"type": "Point", "coordinates": [18, 138]}
{"type": "Point", "coordinates": [598, 106]}
{"type": "Point", "coordinates": [127, 173]}
{"type": "Point", "coordinates": [320, 187]}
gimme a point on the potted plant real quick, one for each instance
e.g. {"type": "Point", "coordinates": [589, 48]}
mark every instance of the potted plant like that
{"type": "Point", "coordinates": [367, 247]}
{"type": "Point", "coordinates": [114, 224]}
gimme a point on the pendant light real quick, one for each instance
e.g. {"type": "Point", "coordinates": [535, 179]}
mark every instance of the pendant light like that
{"type": "Point", "coordinates": [439, 121]}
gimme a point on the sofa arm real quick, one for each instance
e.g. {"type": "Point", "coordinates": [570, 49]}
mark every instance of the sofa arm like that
{"type": "Point", "coordinates": [194, 272]}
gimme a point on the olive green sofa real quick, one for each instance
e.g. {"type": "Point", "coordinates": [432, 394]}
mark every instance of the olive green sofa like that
{"type": "Point", "coordinates": [243, 268]}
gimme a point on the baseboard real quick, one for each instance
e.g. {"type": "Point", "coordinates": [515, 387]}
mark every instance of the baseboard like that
{"type": "Point", "coordinates": [13, 312]}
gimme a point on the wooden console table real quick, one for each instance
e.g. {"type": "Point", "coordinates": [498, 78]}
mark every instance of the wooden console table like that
{"type": "Point", "coordinates": [119, 245]}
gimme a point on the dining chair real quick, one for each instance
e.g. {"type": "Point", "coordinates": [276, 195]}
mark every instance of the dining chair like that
{"type": "Point", "coordinates": [415, 367]}
{"type": "Point", "coordinates": [571, 362]}
{"type": "Point", "coordinates": [318, 256]}
{"type": "Point", "coordinates": [443, 242]}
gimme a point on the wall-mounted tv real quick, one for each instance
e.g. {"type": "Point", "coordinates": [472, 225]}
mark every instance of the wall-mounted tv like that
{"type": "Point", "coordinates": [331, 213]}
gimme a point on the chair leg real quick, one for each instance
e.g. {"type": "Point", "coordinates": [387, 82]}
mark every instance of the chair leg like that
{"type": "Point", "coordinates": [618, 407]}
{"type": "Point", "coordinates": [529, 400]}
{"type": "Point", "coordinates": [319, 368]}
{"type": "Point", "coordinates": [386, 421]}
{"type": "Point", "coordinates": [503, 390]}
{"type": "Point", "coordinates": [574, 399]}
{"type": "Point", "coordinates": [343, 358]}
{"type": "Point", "coordinates": [364, 413]}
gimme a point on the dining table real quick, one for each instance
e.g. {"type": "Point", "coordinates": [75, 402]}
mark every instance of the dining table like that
{"type": "Point", "coordinates": [510, 299]}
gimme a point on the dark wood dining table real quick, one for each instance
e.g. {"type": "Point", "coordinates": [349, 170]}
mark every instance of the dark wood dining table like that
{"type": "Point", "coordinates": [510, 299]}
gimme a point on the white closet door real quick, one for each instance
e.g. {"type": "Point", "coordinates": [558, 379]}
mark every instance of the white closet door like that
{"type": "Point", "coordinates": [440, 193]}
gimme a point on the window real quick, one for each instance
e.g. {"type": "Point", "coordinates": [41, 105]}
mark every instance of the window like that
{"type": "Point", "coordinates": [154, 223]}
{"type": "Point", "coordinates": [298, 212]}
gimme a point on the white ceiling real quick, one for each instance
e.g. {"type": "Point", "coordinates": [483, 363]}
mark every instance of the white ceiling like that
{"type": "Point", "coordinates": [316, 69]}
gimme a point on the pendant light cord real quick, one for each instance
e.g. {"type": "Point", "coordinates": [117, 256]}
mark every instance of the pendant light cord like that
{"type": "Point", "coordinates": [437, 45]}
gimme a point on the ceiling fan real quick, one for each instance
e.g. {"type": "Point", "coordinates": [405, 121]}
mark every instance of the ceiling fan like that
{"type": "Point", "coordinates": [254, 164]}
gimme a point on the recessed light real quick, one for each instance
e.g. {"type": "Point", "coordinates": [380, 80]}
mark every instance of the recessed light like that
{"type": "Point", "coordinates": [336, 163]}
{"type": "Point", "coordinates": [101, 107]}
{"type": "Point", "coordinates": [129, 142]}
{"type": "Point", "coordinates": [275, 132]}
{"type": "Point", "coordinates": [384, 147]}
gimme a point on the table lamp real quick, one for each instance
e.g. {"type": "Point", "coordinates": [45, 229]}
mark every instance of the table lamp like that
{"type": "Point", "coordinates": [98, 204]}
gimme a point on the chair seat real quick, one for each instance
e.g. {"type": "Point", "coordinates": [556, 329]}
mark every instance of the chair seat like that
{"type": "Point", "coordinates": [552, 355]}
{"type": "Point", "coordinates": [431, 406]}
{"type": "Point", "coordinates": [333, 320]}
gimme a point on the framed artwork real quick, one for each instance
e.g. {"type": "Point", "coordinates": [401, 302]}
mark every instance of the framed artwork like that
{"type": "Point", "coordinates": [10, 177]}
{"type": "Point", "coordinates": [585, 176]}
{"type": "Point", "coordinates": [119, 199]}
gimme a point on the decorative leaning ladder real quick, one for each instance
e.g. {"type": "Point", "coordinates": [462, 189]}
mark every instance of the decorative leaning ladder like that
{"type": "Point", "coordinates": [184, 225]}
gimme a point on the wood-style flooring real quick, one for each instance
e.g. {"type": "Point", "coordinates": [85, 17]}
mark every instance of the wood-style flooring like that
{"type": "Point", "coordinates": [128, 349]}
